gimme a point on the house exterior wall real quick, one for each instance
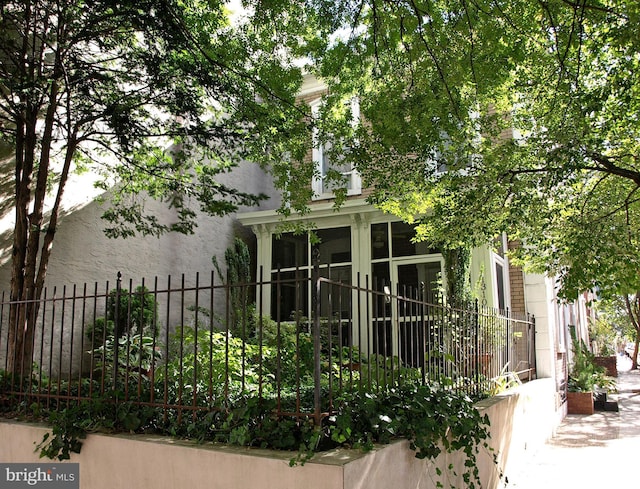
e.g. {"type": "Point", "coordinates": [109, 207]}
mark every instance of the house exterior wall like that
{"type": "Point", "coordinates": [553, 320]}
{"type": "Point", "coordinates": [83, 254]}
{"type": "Point", "coordinates": [541, 303]}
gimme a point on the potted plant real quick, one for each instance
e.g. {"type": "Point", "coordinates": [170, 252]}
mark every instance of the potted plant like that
{"type": "Point", "coordinates": [584, 379]}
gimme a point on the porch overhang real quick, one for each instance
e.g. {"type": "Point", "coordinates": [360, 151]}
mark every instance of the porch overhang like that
{"type": "Point", "coordinates": [317, 212]}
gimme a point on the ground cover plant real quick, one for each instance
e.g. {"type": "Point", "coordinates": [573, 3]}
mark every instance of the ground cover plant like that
{"type": "Point", "coordinates": [239, 386]}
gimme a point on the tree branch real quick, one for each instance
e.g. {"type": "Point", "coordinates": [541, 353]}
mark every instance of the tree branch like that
{"type": "Point", "coordinates": [607, 165]}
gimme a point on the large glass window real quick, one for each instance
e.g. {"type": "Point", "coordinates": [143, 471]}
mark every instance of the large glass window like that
{"type": "Point", "coordinates": [290, 295]}
{"type": "Point", "coordinates": [334, 245]}
{"type": "Point", "coordinates": [379, 241]}
{"type": "Point", "coordinates": [420, 280]}
{"type": "Point", "coordinates": [402, 241]}
{"type": "Point", "coordinates": [292, 265]}
{"type": "Point", "coordinates": [400, 245]}
{"type": "Point", "coordinates": [290, 251]}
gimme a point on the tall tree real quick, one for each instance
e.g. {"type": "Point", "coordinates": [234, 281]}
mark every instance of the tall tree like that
{"type": "Point", "coordinates": [158, 97]}
{"type": "Point", "coordinates": [487, 116]}
{"type": "Point", "coordinates": [589, 240]}
{"type": "Point", "coordinates": [620, 315]}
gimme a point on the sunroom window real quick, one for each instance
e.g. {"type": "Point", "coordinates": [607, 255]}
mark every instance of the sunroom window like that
{"type": "Point", "coordinates": [292, 265]}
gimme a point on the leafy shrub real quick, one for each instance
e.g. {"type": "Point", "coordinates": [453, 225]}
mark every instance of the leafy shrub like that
{"type": "Point", "coordinates": [129, 327]}
{"type": "Point", "coordinates": [291, 359]}
{"type": "Point", "coordinates": [137, 357]}
{"type": "Point", "coordinates": [211, 365]}
{"type": "Point", "coordinates": [126, 313]}
{"type": "Point", "coordinates": [585, 375]}
{"type": "Point", "coordinates": [381, 372]}
{"type": "Point", "coordinates": [238, 261]}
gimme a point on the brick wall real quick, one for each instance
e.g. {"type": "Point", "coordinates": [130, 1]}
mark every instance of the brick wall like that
{"type": "Point", "coordinates": [516, 284]}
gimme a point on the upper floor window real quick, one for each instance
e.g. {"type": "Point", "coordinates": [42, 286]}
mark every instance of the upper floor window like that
{"type": "Point", "coordinates": [448, 156]}
{"type": "Point", "coordinates": [501, 271]}
{"type": "Point", "coordinates": [331, 171]}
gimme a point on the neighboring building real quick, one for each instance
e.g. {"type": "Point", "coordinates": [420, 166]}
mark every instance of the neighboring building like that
{"type": "Point", "coordinates": [83, 254]}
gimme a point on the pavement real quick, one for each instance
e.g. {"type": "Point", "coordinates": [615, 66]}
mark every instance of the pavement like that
{"type": "Point", "coordinates": [590, 451]}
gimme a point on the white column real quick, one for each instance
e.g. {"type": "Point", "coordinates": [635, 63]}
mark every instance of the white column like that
{"type": "Point", "coordinates": [541, 302]}
{"type": "Point", "coordinates": [263, 235]}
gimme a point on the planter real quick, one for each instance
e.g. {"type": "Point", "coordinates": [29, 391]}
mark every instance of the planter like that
{"type": "Point", "coordinates": [580, 403]}
{"type": "Point", "coordinates": [610, 363]}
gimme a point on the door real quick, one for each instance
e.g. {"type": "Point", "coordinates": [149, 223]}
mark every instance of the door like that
{"type": "Point", "coordinates": [418, 283]}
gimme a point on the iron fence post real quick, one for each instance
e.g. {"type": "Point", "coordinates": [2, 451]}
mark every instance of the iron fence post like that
{"type": "Point", "coordinates": [316, 339]}
{"type": "Point", "coordinates": [116, 337]}
{"type": "Point", "coordinates": [508, 338]}
{"type": "Point", "coordinates": [532, 345]}
{"type": "Point", "coordinates": [476, 328]}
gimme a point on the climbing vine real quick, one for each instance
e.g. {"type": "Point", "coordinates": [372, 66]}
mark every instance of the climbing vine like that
{"type": "Point", "coordinates": [433, 421]}
{"type": "Point", "coordinates": [457, 263]}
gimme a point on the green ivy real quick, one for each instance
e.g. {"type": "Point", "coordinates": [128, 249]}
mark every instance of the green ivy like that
{"type": "Point", "coordinates": [65, 437]}
{"type": "Point", "coordinates": [431, 419]}
{"type": "Point", "coordinates": [126, 312]}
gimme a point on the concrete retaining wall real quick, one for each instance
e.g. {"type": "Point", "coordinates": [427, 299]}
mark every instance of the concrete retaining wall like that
{"type": "Point", "coordinates": [520, 422]}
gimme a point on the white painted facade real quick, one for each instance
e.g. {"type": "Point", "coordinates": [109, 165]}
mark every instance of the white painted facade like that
{"type": "Point", "coordinates": [83, 254]}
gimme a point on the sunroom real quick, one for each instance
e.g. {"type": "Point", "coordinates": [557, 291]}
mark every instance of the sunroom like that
{"type": "Point", "coordinates": [364, 249]}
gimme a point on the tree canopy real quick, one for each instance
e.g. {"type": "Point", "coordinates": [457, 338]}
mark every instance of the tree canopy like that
{"type": "Point", "coordinates": [487, 116]}
{"type": "Point", "coordinates": [478, 117]}
{"type": "Point", "coordinates": [160, 98]}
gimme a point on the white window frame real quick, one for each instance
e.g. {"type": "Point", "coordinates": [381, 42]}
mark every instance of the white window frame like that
{"type": "Point", "coordinates": [503, 261]}
{"type": "Point", "coordinates": [354, 182]}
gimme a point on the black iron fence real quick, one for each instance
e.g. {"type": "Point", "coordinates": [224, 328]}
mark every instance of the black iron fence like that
{"type": "Point", "coordinates": [203, 346]}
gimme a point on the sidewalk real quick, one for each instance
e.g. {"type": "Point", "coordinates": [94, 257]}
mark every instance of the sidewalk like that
{"type": "Point", "coordinates": [599, 450]}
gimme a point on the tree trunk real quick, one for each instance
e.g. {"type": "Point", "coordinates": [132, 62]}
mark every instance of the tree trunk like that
{"type": "Point", "coordinates": [29, 262]}
{"type": "Point", "coordinates": [632, 312]}
{"type": "Point", "coordinates": [19, 335]}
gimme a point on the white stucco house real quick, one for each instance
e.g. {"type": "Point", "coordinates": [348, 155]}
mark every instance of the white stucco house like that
{"type": "Point", "coordinates": [359, 242]}
{"type": "Point", "coordinates": [362, 243]}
